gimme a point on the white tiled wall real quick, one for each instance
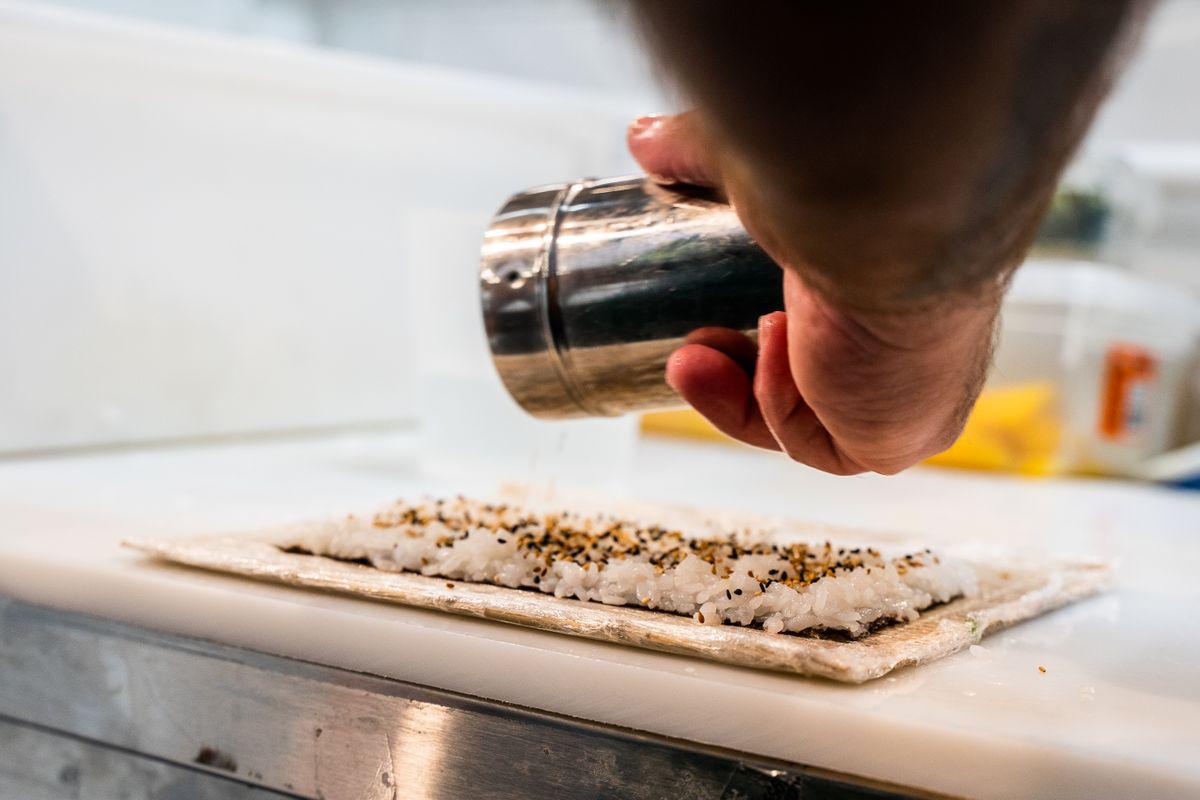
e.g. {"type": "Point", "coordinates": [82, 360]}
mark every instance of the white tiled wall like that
{"type": "Point", "coordinates": [200, 236]}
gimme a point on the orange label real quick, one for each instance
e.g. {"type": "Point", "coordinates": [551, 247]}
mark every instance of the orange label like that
{"type": "Point", "coordinates": [1129, 371]}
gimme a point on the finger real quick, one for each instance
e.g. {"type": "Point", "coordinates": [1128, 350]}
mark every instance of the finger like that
{"type": "Point", "coordinates": [774, 388]}
{"type": "Point", "coordinates": [673, 149]}
{"type": "Point", "coordinates": [792, 423]}
{"type": "Point", "coordinates": [734, 344]}
{"type": "Point", "coordinates": [784, 411]}
{"type": "Point", "coordinates": [713, 384]}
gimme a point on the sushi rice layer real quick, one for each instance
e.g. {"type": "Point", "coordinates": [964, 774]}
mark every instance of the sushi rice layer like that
{"type": "Point", "coordinates": [738, 578]}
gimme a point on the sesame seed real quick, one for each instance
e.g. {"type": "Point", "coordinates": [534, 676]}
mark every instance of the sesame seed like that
{"type": "Point", "coordinates": [599, 542]}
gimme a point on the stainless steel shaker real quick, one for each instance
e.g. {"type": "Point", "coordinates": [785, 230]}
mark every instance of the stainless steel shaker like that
{"type": "Point", "coordinates": [588, 287]}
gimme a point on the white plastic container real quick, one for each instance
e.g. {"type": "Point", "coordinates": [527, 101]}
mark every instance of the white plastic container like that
{"type": "Point", "coordinates": [1107, 351]}
{"type": "Point", "coordinates": [469, 424]}
{"type": "Point", "coordinates": [1154, 190]}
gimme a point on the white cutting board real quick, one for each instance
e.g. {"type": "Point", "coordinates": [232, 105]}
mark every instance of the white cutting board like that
{"type": "Point", "coordinates": [1114, 715]}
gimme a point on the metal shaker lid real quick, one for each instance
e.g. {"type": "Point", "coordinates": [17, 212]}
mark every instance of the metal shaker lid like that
{"type": "Point", "coordinates": [518, 306]}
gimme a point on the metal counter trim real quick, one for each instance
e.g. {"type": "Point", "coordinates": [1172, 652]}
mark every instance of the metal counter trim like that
{"type": "Point", "coordinates": [320, 732]}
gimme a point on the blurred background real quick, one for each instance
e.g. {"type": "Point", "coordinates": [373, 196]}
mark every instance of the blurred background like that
{"type": "Point", "coordinates": [262, 217]}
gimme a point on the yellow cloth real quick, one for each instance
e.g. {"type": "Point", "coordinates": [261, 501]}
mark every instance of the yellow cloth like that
{"type": "Point", "coordinates": [1013, 429]}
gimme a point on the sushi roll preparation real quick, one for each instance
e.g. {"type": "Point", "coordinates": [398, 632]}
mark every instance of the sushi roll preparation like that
{"type": "Point", "coordinates": [599, 400]}
{"type": "Point", "coordinates": [740, 579]}
{"type": "Point", "coordinates": [739, 595]}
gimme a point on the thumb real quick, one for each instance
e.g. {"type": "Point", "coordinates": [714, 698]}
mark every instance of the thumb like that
{"type": "Point", "coordinates": [674, 149]}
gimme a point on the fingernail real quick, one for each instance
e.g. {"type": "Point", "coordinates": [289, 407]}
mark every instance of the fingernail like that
{"type": "Point", "coordinates": [670, 382]}
{"type": "Point", "coordinates": [644, 124]}
{"type": "Point", "coordinates": [673, 362]}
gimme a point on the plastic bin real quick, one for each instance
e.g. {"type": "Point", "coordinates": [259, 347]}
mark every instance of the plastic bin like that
{"type": "Point", "coordinates": [1088, 374]}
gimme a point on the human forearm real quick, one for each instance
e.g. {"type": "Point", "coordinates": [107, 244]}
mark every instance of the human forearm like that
{"type": "Point", "coordinates": [893, 153]}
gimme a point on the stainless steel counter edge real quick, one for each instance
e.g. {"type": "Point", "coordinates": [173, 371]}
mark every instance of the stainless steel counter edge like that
{"type": "Point", "coordinates": [319, 732]}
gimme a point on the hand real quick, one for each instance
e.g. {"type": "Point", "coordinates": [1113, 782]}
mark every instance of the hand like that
{"type": "Point", "coordinates": [843, 388]}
